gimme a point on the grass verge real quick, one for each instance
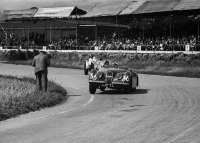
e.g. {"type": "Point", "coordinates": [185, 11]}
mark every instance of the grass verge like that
{"type": "Point", "coordinates": [169, 68]}
{"type": "Point", "coordinates": [19, 96]}
{"type": "Point", "coordinates": [176, 64]}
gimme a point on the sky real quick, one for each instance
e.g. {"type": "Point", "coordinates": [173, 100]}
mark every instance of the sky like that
{"type": "Point", "coordinates": [24, 4]}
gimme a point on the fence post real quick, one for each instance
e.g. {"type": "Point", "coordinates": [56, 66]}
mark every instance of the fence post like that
{"type": "Point", "coordinates": [44, 48]}
{"type": "Point", "coordinates": [187, 48]}
{"type": "Point", "coordinates": [139, 48]}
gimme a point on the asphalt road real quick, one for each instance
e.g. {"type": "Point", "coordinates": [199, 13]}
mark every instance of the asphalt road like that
{"type": "Point", "coordinates": [162, 110]}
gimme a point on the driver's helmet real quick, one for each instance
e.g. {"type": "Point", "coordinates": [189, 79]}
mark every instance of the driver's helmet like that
{"type": "Point", "coordinates": [94, 59]}
{"type": "Point", "coordinates": [115, 65]}
{"type": "Point", "coordinates": [90, 56]}
{"type": "Point", "coordinates": [106, 62]}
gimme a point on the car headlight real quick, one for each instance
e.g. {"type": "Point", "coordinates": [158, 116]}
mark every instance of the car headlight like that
{"type": "Point", "coordinates": [92, 75]}
{"type": "Point", "coordinates": [119, 76]}
{"type": "Point", "coordinates": [99, 74]}
{"type": "Point", "coordinates": [96, 75]}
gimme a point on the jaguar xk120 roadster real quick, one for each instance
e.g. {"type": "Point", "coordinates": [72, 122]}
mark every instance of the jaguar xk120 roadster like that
{"type": "Point", "coordinates": [113, 76]}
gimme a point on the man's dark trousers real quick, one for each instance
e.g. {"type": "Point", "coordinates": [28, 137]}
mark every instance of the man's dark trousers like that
{"type": "Point", "coordinates": [41, 63]}
{"type": "Point", "coordinates": [41, 78]}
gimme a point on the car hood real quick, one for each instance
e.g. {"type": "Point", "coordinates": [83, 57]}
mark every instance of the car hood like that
{"type": "Point", "coordinates": [113, 70]}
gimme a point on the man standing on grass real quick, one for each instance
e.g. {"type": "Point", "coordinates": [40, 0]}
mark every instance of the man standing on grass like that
{"type": "Point", "coordinates": [41, 63]}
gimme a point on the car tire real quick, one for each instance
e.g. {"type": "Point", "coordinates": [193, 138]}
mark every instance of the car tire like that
{"type": "Point", "coordinates": [85, 70]}
{"type": "Point", "coordinates": [128, 88]}
{"type": "Point", "coordinates": [92, 88]}
{"type": "Point", "coordinates": [91, 66]}
{"type": "Point", "coordinates": [133, 89]}
{"type": "Point", "coordinates": [102, 88]}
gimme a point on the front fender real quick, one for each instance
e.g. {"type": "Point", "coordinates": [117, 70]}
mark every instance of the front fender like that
{"type": "Point", "coordinates": [87, 64]}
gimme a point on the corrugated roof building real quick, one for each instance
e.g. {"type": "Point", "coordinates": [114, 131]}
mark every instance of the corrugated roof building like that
{"type": "Point", "coordinates": [17, 14]}
{"type": "Point", "coordinates": [107, 10]}
{"type": "Point", "coordinates": [188, 5]}
{"type": "Point", "coordinates": [155, 6]}
{"type": "Point", "coordinates": [58, 12]}
{"type": "Point", "coordinates": [131, 8]}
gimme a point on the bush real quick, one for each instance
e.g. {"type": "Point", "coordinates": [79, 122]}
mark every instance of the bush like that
{"type": "Point", "coordinates": [197, 57]}
{"type": "Point", "coordinates": [3, 56]}
{"type": "Point", "coordinates": [11, 55]}
{"type": "Point", "coordinates": [29, 55]}
{"type": "Point", "coordinates": [152, 56]}
{"type": "Point", "coordinates": [168, 57]}
{"type": "Point", "coordinates": [20, 55]}
{"type": "Point", "coordinates": [136, 56]}
{"type": "Point", "coordinates": [145, 57]}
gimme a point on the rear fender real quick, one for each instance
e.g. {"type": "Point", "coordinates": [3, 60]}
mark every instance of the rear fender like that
{"type": "Point", "coordinates": [134, 82]}
{"type": "Point", "coordinates": [134, 79]}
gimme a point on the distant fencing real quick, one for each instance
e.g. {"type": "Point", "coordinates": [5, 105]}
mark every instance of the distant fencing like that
{"type": "Point", "coordinates": [187, 49]}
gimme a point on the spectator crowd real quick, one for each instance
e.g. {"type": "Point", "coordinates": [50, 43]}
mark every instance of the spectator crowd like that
{"type": "Point", "coordinates": [12, 41]}
{"type": "Point", "coordinates": [151, 44]}
{"type": "Point", "coordinates": [112, 43]}
{"type": "Point", "coordinates": [161, 43]}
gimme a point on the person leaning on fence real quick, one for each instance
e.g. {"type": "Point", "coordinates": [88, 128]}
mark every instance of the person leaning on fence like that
{"type": "Point", "coordinates": [41, 62]}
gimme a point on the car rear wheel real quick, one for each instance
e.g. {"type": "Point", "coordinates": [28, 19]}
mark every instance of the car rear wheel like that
{"type": "Point", "coordinates": [136, 84]}
{"type": "Point", "coordinates": [92, 88]}
{"type": "Point", "coordinates": [127, 89]}
{"type": "Point", "coordinates": [137, 81]}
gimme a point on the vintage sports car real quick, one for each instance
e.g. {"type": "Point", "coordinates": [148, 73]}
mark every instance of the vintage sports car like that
{"type": "Point", "coordinates": [113, 76]}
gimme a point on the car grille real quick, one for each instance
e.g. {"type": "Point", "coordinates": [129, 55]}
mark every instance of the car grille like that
{"type": "Point", "coordinates": [109, 77]}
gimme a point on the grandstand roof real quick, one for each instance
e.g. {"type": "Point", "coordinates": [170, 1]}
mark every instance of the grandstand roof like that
{"type": "Point", "coordinates": [15, 14]}
{"type": "Point", "coordinates": [131, 8]}
{"type": "Point", "coordinates": [107, 9]}
{"type": "Point", "coordinates": [58, 12]}
{"type": "Point", "coordinates": [142, 7]}
{"type": "Point", "coordinates": [157, 6]}
{"type": "Point", "coordinates": [188, 5]}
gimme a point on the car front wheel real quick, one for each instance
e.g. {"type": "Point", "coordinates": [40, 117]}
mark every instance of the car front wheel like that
{"type": "Point", "coordinates": [102, 88]}
{"type": "Point", "coordinates": [128, 88]}
{"type": "Point", "coordinates": [92, 88]}
{"type": "Point", "coordinates": [85, 70]}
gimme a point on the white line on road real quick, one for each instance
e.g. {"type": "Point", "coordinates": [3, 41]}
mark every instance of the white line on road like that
{"type": "Point", "coordinates": [91, 100]}
{"type": "Point", "coordinates": [59, 113]}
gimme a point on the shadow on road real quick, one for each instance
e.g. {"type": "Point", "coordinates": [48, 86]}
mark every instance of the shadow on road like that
{"type": "Point", "coordinates": [140, 91]}
{"type": "Point", "coordinates": [113, 91]}
{"type": "Point", "coordinates": [74, 95]}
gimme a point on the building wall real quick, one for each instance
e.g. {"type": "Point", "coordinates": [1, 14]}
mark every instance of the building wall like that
{"type": "Point", "coordinates": [53, 29]}
{"type": "Point", "coordinates": [57, 29]}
